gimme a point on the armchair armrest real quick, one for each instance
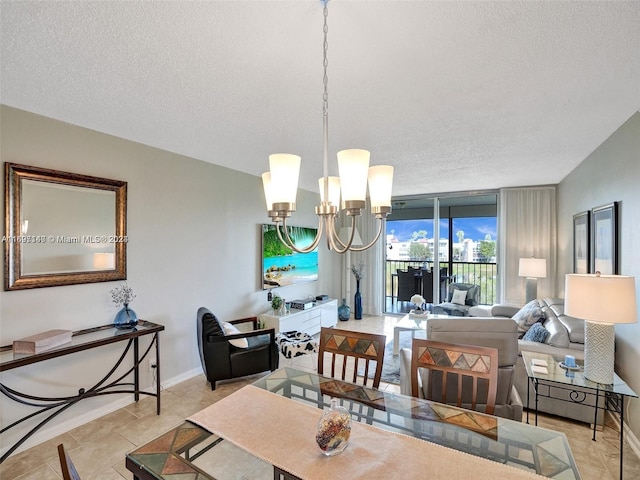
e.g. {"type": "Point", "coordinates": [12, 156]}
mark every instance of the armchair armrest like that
{"type": "Point", "coordinates": [254, 320]}
{"type": "Point", "coordinates": [503, 310]}
{"type": "Point", "coordinates": [252, 333]}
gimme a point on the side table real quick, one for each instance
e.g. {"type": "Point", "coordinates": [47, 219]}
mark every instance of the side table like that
{"type": "Point", "coordinates": [600, 396]}
{"type": "Point", "coordinates": [410, 323]}
{"type": "Point", "coordinates": [113, 382]}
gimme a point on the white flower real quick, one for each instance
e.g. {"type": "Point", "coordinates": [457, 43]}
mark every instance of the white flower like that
{"type": "Point", "coordinates": [122, 295]}
{"type": "Point", "coordinates": [417, 300]}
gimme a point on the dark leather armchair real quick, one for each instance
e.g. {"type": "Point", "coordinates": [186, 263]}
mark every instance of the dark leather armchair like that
{"type": "Point", "coordinates": [221, 360]}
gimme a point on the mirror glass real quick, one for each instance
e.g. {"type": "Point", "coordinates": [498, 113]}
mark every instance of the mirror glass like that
{"type": "Point", "coordinates": [62, 228]}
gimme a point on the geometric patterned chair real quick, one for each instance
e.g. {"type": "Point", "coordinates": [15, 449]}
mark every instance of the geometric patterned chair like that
{"type": "Point", "coordinates": [67, 467]}
{"type": "Point", "coordinates": [461, 375]}
{"type": "Point", "coordinates": [343, 345]}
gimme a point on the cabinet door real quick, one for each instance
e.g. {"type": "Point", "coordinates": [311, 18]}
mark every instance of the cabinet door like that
{"type": "Point", "coordinates": [330, 314]}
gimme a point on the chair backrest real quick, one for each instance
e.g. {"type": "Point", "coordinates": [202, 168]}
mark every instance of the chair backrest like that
{"type": "Point", "coordinates": [408, 284]}
{"type": "Point", "coordinates": [427, 286]}
{"type": "Point", "coordinates": [465, 365]}
{"type": "Point", "coordinates": [361, 347]}
{"type": "Point", "coordinates": [69, 471]}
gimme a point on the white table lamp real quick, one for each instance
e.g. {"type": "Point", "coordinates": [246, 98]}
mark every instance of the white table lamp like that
{"type": "Point", "coordinates": [602, 301]}
{"type": "Point", "coordinates": [533, 269]}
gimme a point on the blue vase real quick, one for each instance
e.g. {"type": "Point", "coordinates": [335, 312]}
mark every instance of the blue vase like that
{"type": "Point", "coordinates": [125, 318]}
{"type": "Point", "coordinates": [358, 302]}
{"type": "Point", "coordinates": [344, 311]}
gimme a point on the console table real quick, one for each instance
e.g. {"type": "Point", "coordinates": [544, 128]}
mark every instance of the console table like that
{"type": "Point", "coordinates": [82, 340]}
{"type": "Point", "coordinates": [600, 396]}
{"type": "Point", "coordinates": [323, 314]}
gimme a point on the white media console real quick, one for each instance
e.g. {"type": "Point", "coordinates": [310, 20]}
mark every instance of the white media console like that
{"type": "Point", "coordinates": [323, 314]}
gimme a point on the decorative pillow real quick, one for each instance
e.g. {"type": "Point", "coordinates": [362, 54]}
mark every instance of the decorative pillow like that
{"type": "Point", "coordinates": [528, 315]}
{"type": "Point", "coordinates": [471, 289]}
{"type": "Point", "coordinates": [459, 297]}
{"type": "Point", "coordinates": [537, 333]}
{"type": "Point", "coordinates": [229, 329]}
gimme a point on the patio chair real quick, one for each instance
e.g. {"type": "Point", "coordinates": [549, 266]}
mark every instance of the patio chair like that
{"type": "Point", "coordinates": [408, 284]}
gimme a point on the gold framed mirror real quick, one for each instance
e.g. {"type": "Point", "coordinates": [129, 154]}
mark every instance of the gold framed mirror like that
{"type": "Point", "coordinates": [62, 228]}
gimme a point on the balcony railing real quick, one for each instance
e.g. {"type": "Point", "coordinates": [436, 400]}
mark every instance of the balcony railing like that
{"type": "Point", "coordinates": [483, 274]}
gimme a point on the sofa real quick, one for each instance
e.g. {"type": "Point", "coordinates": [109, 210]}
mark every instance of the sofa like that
{"type": "Point", "coordinates": [500, 333]}
{"type": "Point", "coordinates": [565, 337]}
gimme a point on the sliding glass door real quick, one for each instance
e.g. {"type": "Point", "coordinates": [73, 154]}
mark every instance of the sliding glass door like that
{"type": "Point", "coordinates": [442, 240]}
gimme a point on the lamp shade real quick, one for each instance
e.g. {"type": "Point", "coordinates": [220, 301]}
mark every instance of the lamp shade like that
{"type": "Point", "coordinates": [285, 169]}
{"type": "Point", "coordinates": [380, 184]}
{"type": "Point", "coordinates": [353, 165]}
{"type": "Point", "coordinates": [532, 267]}
{"type": "Point", "coordinates": [601, 298]}
{"type": "Point", "coordinates": [334, 190]}
{"type": "Point", "coordinates": [104, 261]}
{"type": "Point", "coordinates": [266, 185]}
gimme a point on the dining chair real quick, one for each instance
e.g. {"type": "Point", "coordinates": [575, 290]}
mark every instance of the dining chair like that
{"type": "Point", "coordinates": [69, 471]}
{"type": "Point", "coordinates": [342, 345]}
{"type": "Point", "coordinates": [408, 284]}
{"type": "Point", "coordinates": [461, 375]}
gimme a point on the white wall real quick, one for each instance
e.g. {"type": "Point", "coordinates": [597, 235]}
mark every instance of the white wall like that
{"type": "Point", "coordinates": [611, 173]}
{"type": "Point", "coordinates": [194, 240]}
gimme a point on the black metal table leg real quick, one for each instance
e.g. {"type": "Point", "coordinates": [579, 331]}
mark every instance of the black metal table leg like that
{"type": "Point", "coordinates": [156, 339]}
{"type": "Point", "coordinates": [535, 388]}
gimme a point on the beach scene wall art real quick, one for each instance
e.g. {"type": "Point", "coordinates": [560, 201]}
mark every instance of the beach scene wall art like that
{"type": "Point", "coordinates": [282, 266]}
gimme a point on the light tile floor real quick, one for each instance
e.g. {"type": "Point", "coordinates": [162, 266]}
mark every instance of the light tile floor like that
{"type": "Point", "coordinates": [98, 448]}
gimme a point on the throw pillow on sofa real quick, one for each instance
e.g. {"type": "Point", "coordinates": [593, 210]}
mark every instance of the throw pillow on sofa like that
{"type": "Point", "coordinates": [528, 315]}
{"type": "Point", "coordinates": [459, 297]}
{"type": "Point", "coordinates": [537, 333]}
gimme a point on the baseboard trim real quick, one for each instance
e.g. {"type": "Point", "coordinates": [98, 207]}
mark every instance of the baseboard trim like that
{"type": "Point", "coordinates": [46, 434]}
{"type": "Point", "coordinates": [629, 436]}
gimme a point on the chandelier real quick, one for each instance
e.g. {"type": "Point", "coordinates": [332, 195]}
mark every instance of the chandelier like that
{"type": "Point", "coordinates": [347, 192]}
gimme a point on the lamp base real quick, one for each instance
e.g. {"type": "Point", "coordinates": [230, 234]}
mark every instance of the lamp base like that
{"type": "Point", "coordinates": [599, 352]}
{"type": "Point", "coordinates": [531, 288]}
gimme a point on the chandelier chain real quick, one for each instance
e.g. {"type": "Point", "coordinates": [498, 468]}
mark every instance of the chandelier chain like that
{"type": "Point", "coordinates": [325, 63]}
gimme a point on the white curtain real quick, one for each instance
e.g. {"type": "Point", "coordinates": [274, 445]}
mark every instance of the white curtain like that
{"type": "Point", "coordinates": [372, 285]}
{"type": "Point", "coordinates": [528, 228]}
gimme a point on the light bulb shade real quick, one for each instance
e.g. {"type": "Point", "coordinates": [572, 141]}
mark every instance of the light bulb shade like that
{"type": "Point", "coordinates": [353, 166]}
{"type": "Point", "coordinates": [266, 185]}
{"type": "Point", "coordinates": [601, 298]}
{"type": "Point", "coordinates": [532, 267]}
{"type": "Point", "coordinates": [285, 169]}
{"type": "Point", "coordinates": [334, 190]}
{"type": "Point", "coordinates": [380, 183]}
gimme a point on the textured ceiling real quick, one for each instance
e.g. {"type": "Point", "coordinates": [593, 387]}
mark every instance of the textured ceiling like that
{"type": "Point", "coordinates": [456, 95]}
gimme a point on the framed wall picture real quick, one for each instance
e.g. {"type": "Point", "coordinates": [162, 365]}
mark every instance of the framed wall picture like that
{"type": "Point", "coordinates": [604, 244]}
{"type": "Point", "coordinates": [581, 241]}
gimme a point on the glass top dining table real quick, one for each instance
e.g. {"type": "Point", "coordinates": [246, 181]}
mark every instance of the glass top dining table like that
{"type": "Point", "coordinates": [196, 453]}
